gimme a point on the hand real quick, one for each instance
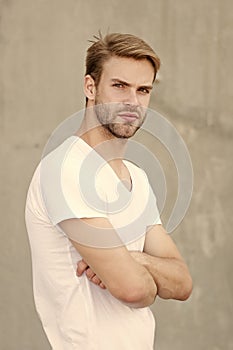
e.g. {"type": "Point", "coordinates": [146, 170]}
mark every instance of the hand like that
{"type": "Point", "coordinates": [82, 266]}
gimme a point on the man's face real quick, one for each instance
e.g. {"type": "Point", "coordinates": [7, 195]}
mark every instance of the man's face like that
{"type": "Point", "coordinates": [123, 95]}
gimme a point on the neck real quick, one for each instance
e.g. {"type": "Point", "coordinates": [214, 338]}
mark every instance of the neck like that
{"type": "Point", "coordinates": [98, 137]}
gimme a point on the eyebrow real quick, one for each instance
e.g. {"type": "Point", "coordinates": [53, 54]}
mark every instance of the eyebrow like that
{"type": "Point", "coordinates": [115, 80]}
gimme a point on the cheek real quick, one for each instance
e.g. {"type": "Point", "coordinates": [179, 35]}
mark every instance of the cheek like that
{"type": "Point", "coordinates": [103, 96]}
{"type": "Point", "coordinates": [144, 100]}
{"type": "Point", "coordinates": [114, 95]}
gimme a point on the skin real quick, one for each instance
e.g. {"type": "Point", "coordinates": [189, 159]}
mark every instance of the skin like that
{"type": "Point", "coordinates": [126, 84]}
{"type": "Point", "coordinates": [128, 94]}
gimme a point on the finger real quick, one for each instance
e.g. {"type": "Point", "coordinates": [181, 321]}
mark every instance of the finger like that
{"type": "Point", "coordinates": [96, 280]}
{"type": "Point", "coordinates": [82, 261]}
{"type": "Point", "coordinates": [81, 267]}
{"type": "Point", "coordinates": [89, 273]}
{"type": "Point", "coordinates": [102, 285]}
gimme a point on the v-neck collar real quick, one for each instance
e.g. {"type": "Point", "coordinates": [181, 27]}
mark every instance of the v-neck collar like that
{"type": "Point", "coordinates": [126, 163]}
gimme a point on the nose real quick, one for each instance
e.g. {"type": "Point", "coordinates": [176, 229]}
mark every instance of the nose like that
{"type": "Point", "coordinates": [132, 98]}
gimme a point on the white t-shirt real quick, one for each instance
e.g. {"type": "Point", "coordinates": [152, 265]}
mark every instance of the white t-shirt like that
{"type": "Point", "coordinates": [73, 181]}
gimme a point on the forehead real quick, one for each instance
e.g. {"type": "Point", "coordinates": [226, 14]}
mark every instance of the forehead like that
{"type": "Point", "coordinates": [140, 72]}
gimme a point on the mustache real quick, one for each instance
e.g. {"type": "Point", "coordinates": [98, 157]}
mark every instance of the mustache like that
{"type": "Point", "coordinates": [138, 111]}
{"type": "Point", "coordinates": [111, 110]}
{"type": "Point", "coordinates": [129, 108]}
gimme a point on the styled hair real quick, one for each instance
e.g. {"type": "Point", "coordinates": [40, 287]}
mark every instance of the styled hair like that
{"type": "Point", "coordinates": [120, 45]}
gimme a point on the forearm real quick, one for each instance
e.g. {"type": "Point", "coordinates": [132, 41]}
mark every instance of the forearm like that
{"type": "Point", "coordinates": [147, 291]}
{"type": "Point", "coordinates": [140, 292]}
{"type": "Point", "coordinates": [170, 275]}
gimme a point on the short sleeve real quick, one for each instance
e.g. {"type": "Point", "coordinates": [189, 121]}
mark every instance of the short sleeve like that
{"type": "Point", "coordinates": [65, 193]}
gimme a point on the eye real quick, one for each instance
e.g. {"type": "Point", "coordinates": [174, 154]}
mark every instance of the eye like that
{"type": "Point", "coordinates": [118, 85]}
{"type": "Point", "coordinates": [144, 90]}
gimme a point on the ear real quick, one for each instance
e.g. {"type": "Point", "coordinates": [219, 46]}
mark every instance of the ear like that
{"type": "Point", "coordinates": [89, 87]}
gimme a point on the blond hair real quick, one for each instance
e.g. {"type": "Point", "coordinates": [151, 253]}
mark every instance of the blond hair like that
{"type": "Point", "coordinates": [120, 45]}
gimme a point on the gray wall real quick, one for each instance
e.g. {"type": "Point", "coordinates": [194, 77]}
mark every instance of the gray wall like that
{"type": "Point", "coordinates": [42, 50]}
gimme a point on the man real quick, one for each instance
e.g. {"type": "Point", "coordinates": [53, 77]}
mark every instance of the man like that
{"type": "Point", "coordinates": [100, 254]}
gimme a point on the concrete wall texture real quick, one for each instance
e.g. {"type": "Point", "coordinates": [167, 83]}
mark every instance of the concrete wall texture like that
{"type": "Point", "coordinates": [42, 50]}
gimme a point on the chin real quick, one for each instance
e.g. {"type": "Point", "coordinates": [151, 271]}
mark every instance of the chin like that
{"type": "Point", "coordinates": [122, 131]}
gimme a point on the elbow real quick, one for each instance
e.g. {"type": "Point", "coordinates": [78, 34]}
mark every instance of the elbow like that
{"type": "Point", "coordinates": [186, 288]}
{"type": "Point", "coordinates": [135, 296]}
{"type": "Point", "coordinates": [128, 295]}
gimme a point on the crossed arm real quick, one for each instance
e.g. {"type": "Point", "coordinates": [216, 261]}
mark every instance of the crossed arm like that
{"type": "Point", "coordinates": [165, 264]}
{"type": "Point", "coordinates": [134, 277]}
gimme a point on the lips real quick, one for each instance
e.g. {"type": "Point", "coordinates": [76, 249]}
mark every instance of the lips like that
{"type": "Point", "coordinates": [129, 116]}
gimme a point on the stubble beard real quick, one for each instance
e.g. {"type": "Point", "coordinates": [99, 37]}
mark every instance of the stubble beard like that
{"type": "Point", "coordinates": [123, 131]}
{"type": "Point", "coordinates": [107, 113]}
